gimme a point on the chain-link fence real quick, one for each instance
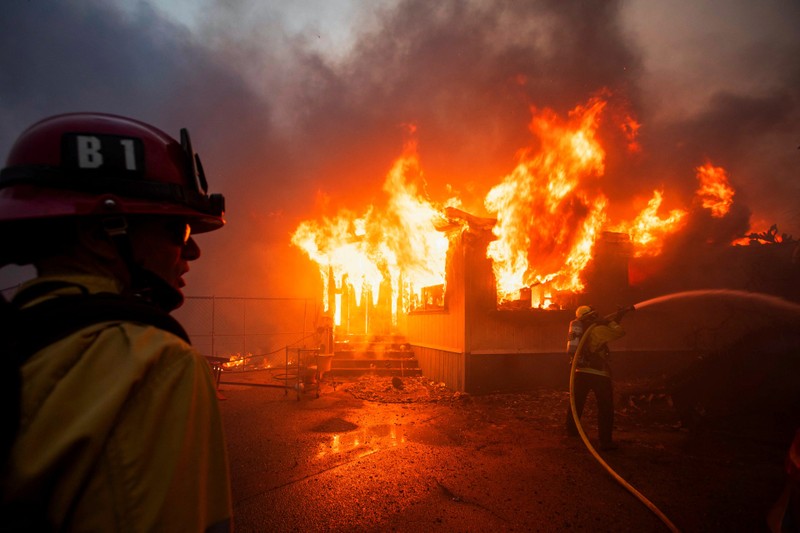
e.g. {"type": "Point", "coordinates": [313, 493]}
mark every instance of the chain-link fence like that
{"type": "Point", "coordinates": [262, 337]}
{"type": "Point", "coordinates": [255, 330]}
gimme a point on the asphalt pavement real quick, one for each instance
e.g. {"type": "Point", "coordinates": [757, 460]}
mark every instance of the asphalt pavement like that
{"type": "Point", "coordinates": [339, 462]}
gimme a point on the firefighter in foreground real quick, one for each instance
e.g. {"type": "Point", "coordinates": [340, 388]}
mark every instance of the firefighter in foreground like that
{"type": "Point", "coordinates": [592, 370]}
{"type": "Point", "coordinates": [116, 424]}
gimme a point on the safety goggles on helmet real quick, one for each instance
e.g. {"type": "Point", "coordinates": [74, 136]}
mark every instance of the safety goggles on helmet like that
{"type": "Point", "coordinates": [82, 164]}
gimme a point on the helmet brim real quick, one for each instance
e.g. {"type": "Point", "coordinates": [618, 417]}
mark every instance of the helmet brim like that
{"type": "Point", "coordinates": [23, 202]}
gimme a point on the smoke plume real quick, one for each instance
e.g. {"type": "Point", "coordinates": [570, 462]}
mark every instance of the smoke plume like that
{"type": "Point", "coordinates": [289, 130]}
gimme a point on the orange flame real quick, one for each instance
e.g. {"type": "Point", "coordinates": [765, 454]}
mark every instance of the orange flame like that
{"type": "Point", "coordinates": [630, 128]}
{"type": "Point", "coordinates": [715, 192]}
{"type": "Point", "coordinates": [549, 213]}
{"type": "Point", "coordinates": [547, 218]}
{"type": "Point", "coordinates": [398, 244]}
{"type": "Point", "coordinates": [647, 230]}
{"type": "Point", "coordinates": [769, 236]}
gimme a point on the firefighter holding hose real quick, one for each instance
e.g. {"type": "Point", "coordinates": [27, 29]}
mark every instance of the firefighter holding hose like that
{"type": "Point", "coordinates": [592, 368]}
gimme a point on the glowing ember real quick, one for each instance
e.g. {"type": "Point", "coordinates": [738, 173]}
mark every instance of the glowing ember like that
{"type": "Point", "coordinates": [714, 192]}
{"type": "Point", "coordinates": [771, 236]}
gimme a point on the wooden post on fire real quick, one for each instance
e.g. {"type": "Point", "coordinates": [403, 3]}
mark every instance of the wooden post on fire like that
{"type": "Point", "coordinates": [331, 293]}
{"type": "Point", "coordinates": [398, 306]}
{"type": "Point", "coordinates": [346, 307]}
{"type": "Point", "coordinates": [366, 295]}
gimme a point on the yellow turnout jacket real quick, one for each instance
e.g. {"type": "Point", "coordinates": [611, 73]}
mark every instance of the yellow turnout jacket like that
{"type": "Point", "coordinates": [594, 350]}
{"type": "Point", "coordinates": [120, 431]}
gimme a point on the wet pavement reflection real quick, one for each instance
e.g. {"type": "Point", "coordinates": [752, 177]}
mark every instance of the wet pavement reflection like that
{"type": "Point", "coordinates": [364, 441]}
{"type": "Point", "coordinates": [340, 463]}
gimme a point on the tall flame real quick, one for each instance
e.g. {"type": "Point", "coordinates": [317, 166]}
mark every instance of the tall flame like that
{"type": "Point", "coordinates": [547, 216]}
{"type": "Point", "coordinates": [715, 192]}
{"type": "Point", "coordinates": [398, 244]}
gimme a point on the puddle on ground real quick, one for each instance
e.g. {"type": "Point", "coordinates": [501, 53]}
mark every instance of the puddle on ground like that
{"type": "Point", "coordinates": [363, 441]}
{"type": "Point", "coordinates": [349, 438]}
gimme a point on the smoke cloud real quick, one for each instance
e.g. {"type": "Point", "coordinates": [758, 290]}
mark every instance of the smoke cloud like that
{"type": "Point", "coordinates": [291, 126]}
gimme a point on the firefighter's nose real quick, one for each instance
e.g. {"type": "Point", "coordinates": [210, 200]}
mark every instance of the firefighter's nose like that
{"type": "Point", "coordinates": [191, 250]}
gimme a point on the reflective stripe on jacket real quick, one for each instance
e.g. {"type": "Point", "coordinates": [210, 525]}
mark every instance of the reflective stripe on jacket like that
{"type": "Point", "coordinates": [120, 431]}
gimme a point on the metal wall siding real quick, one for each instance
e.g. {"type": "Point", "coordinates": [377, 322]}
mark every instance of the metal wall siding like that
{"type": "Point", "coordinates": [442, 366]}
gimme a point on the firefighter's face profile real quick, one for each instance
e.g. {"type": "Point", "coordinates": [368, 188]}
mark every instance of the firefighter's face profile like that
{"type": "Point", "coordinates": [164, 246]}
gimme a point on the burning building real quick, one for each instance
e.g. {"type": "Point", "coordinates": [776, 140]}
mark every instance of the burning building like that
{"type": "Point", "coordinates": [485, 300]}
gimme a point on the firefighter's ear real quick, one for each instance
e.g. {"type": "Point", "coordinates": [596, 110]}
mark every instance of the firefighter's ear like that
{"type": "Point", "coordinates": [93, 237]}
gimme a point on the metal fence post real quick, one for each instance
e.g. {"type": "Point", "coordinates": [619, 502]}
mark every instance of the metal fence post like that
{"type": "Point", "coordinates": [213, 310]}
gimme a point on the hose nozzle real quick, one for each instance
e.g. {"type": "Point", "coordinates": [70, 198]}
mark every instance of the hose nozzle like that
{"type": "Point", "coordinates": [621, 311]}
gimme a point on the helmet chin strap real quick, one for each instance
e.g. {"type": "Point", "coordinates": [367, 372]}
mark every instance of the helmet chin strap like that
{"type": "Point", "coordinates": [148, 286]}
{"type": "Point", "coordinates": [145, 284]}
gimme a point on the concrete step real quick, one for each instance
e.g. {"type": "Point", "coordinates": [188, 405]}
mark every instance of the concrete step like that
{"type": "Point", "coordinates": [372, 354]}
{"type": "Point", "coordinates": [374, 371]}
{"type": "Point", "coordinates": [342, 363]}
{"type": "Point", "coordinates": [378, 355]}
{"type": "Point", "coordinates": [386, 339]}
{"type": "Point", "coordinates": [364, 343]}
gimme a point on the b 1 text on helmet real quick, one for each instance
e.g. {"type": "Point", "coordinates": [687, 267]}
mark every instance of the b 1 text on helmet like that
{"type": "Point", "coordinates": [103, 152]}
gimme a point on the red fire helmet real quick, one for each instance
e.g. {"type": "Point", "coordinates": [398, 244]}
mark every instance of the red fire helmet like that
{"type": "Point", "coordinates": [81, 164]}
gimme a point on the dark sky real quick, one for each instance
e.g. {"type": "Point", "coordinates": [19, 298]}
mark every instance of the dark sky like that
{"type": "Point", "coordinates": [300, 112]}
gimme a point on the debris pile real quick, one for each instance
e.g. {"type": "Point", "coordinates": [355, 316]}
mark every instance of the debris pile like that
{"type": "Point", "coordinates": [412, 389]}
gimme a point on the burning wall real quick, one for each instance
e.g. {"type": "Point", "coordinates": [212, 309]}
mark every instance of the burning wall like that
{"type": "Point", "coordinates": [475, 346]}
